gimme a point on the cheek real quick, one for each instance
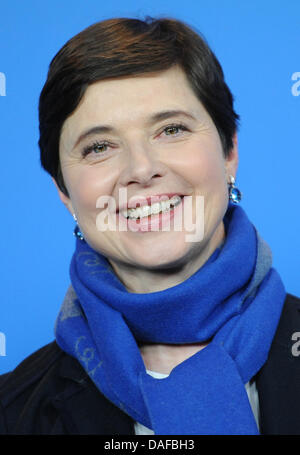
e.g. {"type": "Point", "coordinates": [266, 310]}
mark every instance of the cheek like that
{"type": "Point", "coordinates": [204, 167]}
{"type": "Point", "coordinates": [87, 185]}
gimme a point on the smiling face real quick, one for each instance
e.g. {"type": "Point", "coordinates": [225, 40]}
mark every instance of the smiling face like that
{"type": "Point", "coordinates": [146, 154]}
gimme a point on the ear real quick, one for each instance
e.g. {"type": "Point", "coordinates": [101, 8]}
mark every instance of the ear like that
{"type": "Point", "coordinates": [64, 199]}
{"type": "Point", "coordinates": [232, 160]}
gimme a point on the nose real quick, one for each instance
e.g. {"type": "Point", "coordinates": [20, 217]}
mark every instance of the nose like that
{"type": "Point", "coordinates": [142, 167]}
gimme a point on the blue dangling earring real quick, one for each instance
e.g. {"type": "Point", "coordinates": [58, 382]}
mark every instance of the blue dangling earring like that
{"type": "Point", "coordinates": [235, 194]}
{"type": "Point", "coordinates": [76, 231]}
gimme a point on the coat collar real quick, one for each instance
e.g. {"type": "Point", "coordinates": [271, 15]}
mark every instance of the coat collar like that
{"type": "Point", "coordinates": [278, 381]}
{"type": "Point", "coordinates": [85, 409]}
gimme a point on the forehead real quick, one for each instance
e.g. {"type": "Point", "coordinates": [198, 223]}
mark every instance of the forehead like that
{"type": "Point", "coordinates": [131, 99]}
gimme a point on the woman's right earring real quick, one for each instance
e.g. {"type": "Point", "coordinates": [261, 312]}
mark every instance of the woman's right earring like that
{"type": "Point", "coordinates": [235, 194]}
{"type": "Point", "coordinates": [76, 231]}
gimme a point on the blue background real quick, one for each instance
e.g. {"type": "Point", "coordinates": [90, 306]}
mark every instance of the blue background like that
{"type": "Point", "coordinates": [258, 45]}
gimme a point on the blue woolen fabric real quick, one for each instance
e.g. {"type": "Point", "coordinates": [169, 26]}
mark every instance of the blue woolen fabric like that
{"type": "Point", "coordinates": [234, 300]}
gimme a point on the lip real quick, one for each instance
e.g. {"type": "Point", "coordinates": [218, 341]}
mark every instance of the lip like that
{"type": "Point", "coordinates": [156, 222]}
{"type": "Point", "coordinates": [140, 201]}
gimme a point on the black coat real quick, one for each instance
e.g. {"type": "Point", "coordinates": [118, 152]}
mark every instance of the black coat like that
{"type": "Point", "coordinates": [50, 393]}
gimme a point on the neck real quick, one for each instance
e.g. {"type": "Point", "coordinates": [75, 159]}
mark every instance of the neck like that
{"type": "Point", "coordinates": [162, 358]}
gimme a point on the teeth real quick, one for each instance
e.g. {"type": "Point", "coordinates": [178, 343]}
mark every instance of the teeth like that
{"type": "Point", "coordinates": [155, 208]}
{"type": "Point", "coordinates": [145, 210]}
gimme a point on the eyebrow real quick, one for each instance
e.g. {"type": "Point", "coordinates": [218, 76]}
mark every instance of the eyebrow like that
{"type": "Point", "coordinates": [158, 116]}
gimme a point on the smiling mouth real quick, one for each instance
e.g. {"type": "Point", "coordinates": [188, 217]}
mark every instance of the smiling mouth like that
{"type": "Point", "coordinates": [146, 211]}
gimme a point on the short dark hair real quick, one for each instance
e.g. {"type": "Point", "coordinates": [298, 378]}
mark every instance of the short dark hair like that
{"type": "Point", "coordinates": [123, 47]}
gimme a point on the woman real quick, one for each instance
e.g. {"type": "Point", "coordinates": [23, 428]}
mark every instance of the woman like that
{"type": "Point", "coordinates": [172, 320]}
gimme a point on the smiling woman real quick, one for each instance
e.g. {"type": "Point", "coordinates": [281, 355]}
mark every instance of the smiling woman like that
{"type": "Point", "coordinates": [151, 154]}
{"type": "Point", "coordinates": [160, 332]}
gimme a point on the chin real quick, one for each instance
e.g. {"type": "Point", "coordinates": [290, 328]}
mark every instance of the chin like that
{"type": "Point", "coordinates": [160, 258]}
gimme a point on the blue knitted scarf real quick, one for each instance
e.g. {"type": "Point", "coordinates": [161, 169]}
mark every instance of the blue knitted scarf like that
{"type": "Point", "coordinates": [235, 300]}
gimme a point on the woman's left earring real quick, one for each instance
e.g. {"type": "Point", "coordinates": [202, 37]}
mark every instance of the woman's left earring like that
{"type": "Point", "coordinates": [76, 231]}
{"type": "Point", "coordinates": [235, 194]}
